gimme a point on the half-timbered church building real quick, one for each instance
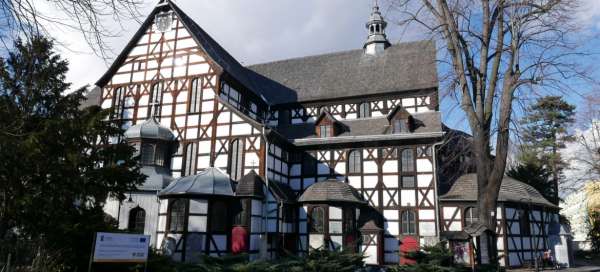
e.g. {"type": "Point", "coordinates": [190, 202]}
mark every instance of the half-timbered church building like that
{"type": "Point", "coordinates": [340, 151]}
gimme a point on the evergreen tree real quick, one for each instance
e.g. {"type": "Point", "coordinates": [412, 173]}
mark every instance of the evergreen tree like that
{"type": "Point", "coordinates": [535, 175]}
{"type": "Point", "coordinates": [58, 162]}
{"type": "Point", "coordinates": [545, 131]}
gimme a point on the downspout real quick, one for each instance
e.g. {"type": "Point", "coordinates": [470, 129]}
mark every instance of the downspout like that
{"type": "Point", "coordinates": [435, 189]}
{"type": "Point", "coordinates": [265, 247]}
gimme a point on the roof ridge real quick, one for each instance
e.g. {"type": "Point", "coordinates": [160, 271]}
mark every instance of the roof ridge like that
{"type": "Point", "coordinates": [335, 53]}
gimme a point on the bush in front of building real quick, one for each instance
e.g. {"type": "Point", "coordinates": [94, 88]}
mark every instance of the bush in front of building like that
{"type": "Point", "coordinates": [594, 232]}
{"type": "Point", "coordinates": [319, 260]}
{"type": "Point", "coordinates": [438, 258]}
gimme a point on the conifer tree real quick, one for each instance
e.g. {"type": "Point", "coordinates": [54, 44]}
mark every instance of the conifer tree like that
{"type": "Point", "coordinates": [58, 162]}
{"type": "Point", "coordinates": [545, 132]}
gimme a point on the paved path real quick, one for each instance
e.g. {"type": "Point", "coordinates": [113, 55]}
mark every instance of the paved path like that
{"type": "Point", "coordinates": [582, 268]}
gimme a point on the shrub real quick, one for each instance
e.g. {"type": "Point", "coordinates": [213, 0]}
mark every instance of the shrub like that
{"type": "Point", "coordinates": [319, 260]}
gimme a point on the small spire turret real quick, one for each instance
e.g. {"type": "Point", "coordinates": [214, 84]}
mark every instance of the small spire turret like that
{"type": "Point", "coordinates": [377, 40]}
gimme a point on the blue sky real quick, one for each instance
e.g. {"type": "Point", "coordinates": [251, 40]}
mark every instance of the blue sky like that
{"type": "Point", "coordinates": [261, 31]}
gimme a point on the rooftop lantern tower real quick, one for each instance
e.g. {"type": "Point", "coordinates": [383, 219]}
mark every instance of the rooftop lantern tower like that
{"type": "Point", "coordinates": [376, 41]}
{"type": "Point", "coordinates": [155, 144]}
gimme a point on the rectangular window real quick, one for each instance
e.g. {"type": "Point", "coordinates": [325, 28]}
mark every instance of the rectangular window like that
{"type": "Point", "coordinates": [147, 154]}
{"type": "Point", "coordinates": [317, 220]}
{"type": "Point", "coordinates": [156, 98]}
{"type": "Point", "coordinates": [400, 126]}
{"type": "Point", "coordinates": [196, 96]}
{"type": "Point", "coordinates": [364, 110]}
{"type": "Point", "coordinates": [159, 155]}
{"type": "Point", "coordinates": [325, 131]}
{"type": "Point", "coordinates": [355, 161]}
{"type": "Point", "coordinates": [191, 155]}
{"type": "Point", "coordinates": [408, 160]}
{"type": "Point", "coordinates": [408, 182]}
{"type": "Point", "coordinates": [236, 155]}
{"type": "Point", "coordinates": [234, 98]}
{"type": "Point", "coordinates": [119, 103]}
{"type": "Point", "coordinates": [524, 222]}
{"type": "Point", "coordinates": [218, 216]}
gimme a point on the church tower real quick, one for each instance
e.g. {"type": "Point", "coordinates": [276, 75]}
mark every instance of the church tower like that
{"type": "Point", "coordinates": [376, 41]}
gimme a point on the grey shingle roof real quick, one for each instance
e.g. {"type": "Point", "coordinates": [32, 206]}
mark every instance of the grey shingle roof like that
{"type": "Point", "coordinates": [511, 190]}
{"type": "Point", "coordinates": [331, 191]}
{"type": "Point", "coordinates": [401, 67]}
{"type": "Point", "coordinates": [149, 129]}
{"type": "Point", "coordinates": [282, 191]}
{"type": "Point", "coordinates": [426, 122]}
{"type": "Point", "coordinates": [210, 182]}
{"type": "Point", "coordinates": [250, 185]}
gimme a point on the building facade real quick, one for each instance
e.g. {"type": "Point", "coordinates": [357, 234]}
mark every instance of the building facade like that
{"type": "Point", "coordinates": [336, 150]}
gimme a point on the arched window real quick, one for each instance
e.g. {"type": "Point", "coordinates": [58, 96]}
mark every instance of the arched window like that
{"type": "Point", "coordinates": [156, 97]}
{"type": "Point", "coordinates": [177, 215]}
{"type": "Point", "coordinates": [236, 155]}
{"type": "Point", "coordinates": [147, 154]}
{"type": "Point", "coordinates": [195, 96]}
{"type": "Point", "coordinates": [218, 216]}
{"type": "Point", "coordinates": [191, 154]}
{"type": "Point", "coordinates": [137, 220]}
{"type": "Point", "coordinates": [317, 220]}
{"type": "Point", "coordinates": [355, 162]}
{"type": "Point", "coordinates": [409, 224]}
{"type": "Point", "coordinates": [408, 160]}
{"type": "Point", "coordinates": [471, 215]}
{"type": "Point", "coordinates": [364, 110]}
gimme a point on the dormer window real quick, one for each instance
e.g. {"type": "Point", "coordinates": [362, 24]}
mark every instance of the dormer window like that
{"type": "Point", "coordinates": [401, 121]}
{"type": "Point", "coordinates": [326, 125]}
{"type": "Point", "coordinates": [400, 126]}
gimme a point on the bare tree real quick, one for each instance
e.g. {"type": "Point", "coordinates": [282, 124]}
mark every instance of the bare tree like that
{"type": "Point", "coordinates": [588, 138]}
{"type": "Point", "coordinates": [496, 52]}
{"type": "Point", "coordinates": [29, 18]}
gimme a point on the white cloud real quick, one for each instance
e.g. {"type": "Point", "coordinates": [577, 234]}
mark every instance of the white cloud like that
{"type": "Point", "coordinates": [578, 157]}
{"type": "Point", "coordinates": [251, 31]}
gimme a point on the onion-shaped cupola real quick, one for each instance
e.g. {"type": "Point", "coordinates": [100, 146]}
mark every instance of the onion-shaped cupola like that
{"type": "Point", "coordinates": [377, 40]}
{"type": "Point", "coordinates": [155, 144]}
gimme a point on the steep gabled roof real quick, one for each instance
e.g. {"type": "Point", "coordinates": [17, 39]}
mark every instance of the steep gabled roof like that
{"type": "Point", "coordinates": [215, 52]}
{"type": "Point", "coordinates": [401, 67]}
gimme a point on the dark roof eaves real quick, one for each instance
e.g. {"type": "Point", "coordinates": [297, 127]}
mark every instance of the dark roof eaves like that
{"type": "Point", "coordinates": [381, 137]}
